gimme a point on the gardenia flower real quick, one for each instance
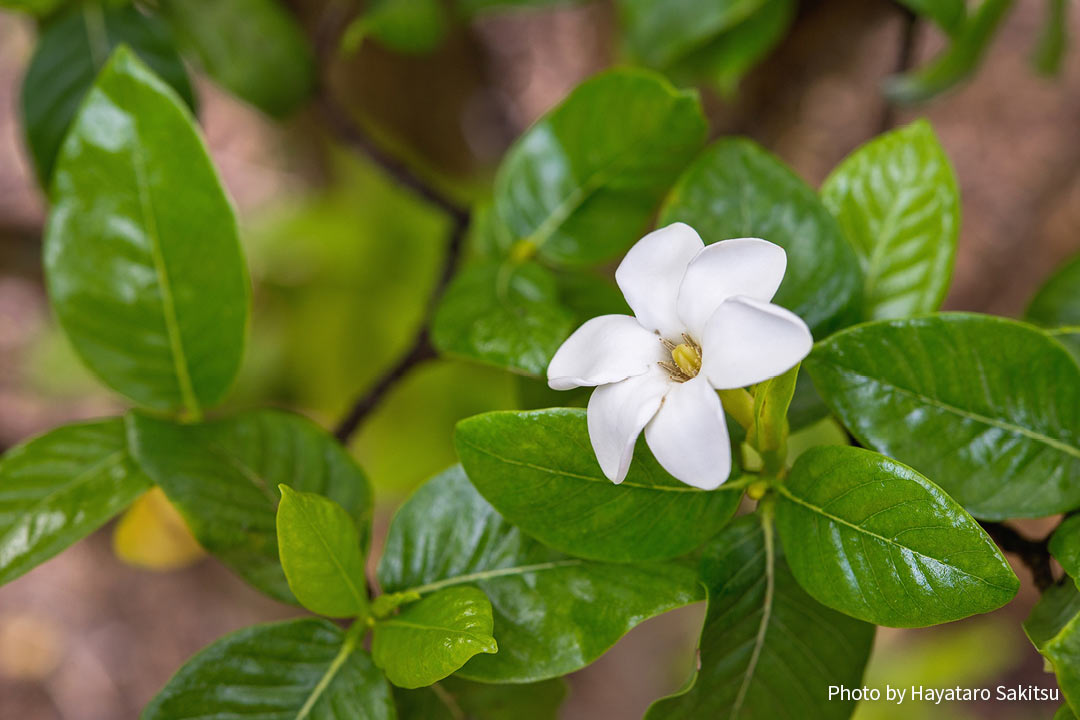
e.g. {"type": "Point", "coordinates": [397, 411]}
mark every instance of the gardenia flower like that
{"type": "Point", "coordinates": [702, 322]}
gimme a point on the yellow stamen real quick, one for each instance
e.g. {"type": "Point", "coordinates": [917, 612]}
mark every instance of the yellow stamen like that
{"type": "Point", "coordinates": [687, 359]}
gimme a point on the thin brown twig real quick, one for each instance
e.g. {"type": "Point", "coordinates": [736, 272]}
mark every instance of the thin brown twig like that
{"type": "Point", "coordinates": [909, 33]}
{"type": "Point", "coordinates": [1034, 554]}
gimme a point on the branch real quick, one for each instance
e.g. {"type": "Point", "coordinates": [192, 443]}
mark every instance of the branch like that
{"type": "Point", "coordinates": [909, 32]}
{"type": "Point", "coordinates": [1034, 554]}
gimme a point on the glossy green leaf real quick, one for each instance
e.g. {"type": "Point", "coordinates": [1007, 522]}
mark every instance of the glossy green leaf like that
{"type": "Point", "coordinates": [1065, 546]}
{"type": "Point", "coordinates": [70, 53]}
{"type": "Point", "coordinates": [767, 650]}
{"type": "Point", "coordinates": [1057, 304]}
{"type": "Point", "coordinates": [223, 477]}
{"type": "Point", "coordinates": [772, 398]}
{"type": "Point", "coordinates": [987, 407]}
{"type": "Point", "coordinates": [874, 539]}
{"type": "Point", "coordinates": [1054, 629]}
{"type": "Point", "coordinates": [731, 54]}
{"type": "Point", "coordinates": [142, 256]}
{"type": "Point", "coordinates": [305, 669]}
{"type": "Point", "coordinates": [61, 486]}
{"type": "Point", "coordinates": [405, 26]}
{"type": "Point", "coordinates": [737, 189]}
{"type": "Point", "coordinates": [948, 14]}
{"type": "Point", "coordinates": [321, 555]}
{"type": "Point", "coordinates": [957, 62]}
{"type": "Point", "coordinates": [1064, 713]}
{"type": "Point", "coordinates": [539, 471]}
{"type": "Point", "coordinates": [1053, 38]}
{"type": "Point", "coordinates": [548, 620]}
{"type": "Point", "coordinates": [432, 638]}
{"type": "Point", "coordinates": [582, 184]}
{"type": "Point", "coordinates": [897, 201]}
{"type": "Point", "coordinates": [482, 701]}
{"type": "Point", "coordinates": [254, 48]}
{"type": "Point", "coordinates": [660, 32]}
{"type": "Point", "coordinates": [503, 315]}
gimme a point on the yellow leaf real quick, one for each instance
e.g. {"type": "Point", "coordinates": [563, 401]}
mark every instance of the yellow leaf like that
{"type": "Point", "coordinates": [153, 535]}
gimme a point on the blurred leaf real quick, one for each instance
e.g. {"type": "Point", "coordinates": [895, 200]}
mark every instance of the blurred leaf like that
{"type": "Point", "coordinates": [806, 407]}
{"type": "Point", "coordinates": [737, 189]}
{"type": "Point", "coordinates": [874, 539]}
{"type": "Point", "coordinates": [1057, 303]}
{"type": "Point", "coordinates": [548, 621]}
{"type": "Point", "coordinates": [39, 8]}
{"type": "Point", "coordinates": [660, 32]}
{"type": "Point", "coordinates": [321, 554]}
{"type": "Point", "coordinates": [580, 186]}
{"type": "Point", "coordinates": [482, 701]}
{"type": "Point", "coordinates": [897, 201]}
{"type": "Point", "coordinates": [69, 54]}
{"type": "Point", "coordinates": [1052, 628]}
{"type": "Point", "coordinates": [731, 54]}
{"type": "Point", "coordinates": [405, 26]}
{"type": "Point", "coordinates": [1064, 713]}
{"type": "Point", "coordinates": [304, 668]}
{"type": "Point", "coordinates": [223, 477]}
{"type": "Point", "coordinates": [254, 48]}
{"type": "Point", "coordinates": [1065, 546]}
{"type": "Point", "coordinates": [760, 627]}
{"type": "Point", "coordinates": [957, 62]}
{"type": "Point", "coordinates": [539, 471]}
{"type": "Point", "coordinates": [948, 14]}
{"type": "Point", "coordinates": [988, 408]}
{"type": "Point", "coordinates": [432, 638]}
{"type": "Point", "coordinates": [475, 7]}
{"type": "Point", "coordinates": [142, 259]}
{"type": "Point", "coordinates": [503, 315]}
{"type": "Point", "coordinates": [151, 534]}
{"type": "Point", "coordinates": [59, 487]}
{"type": "Point", "coordinates": [772, 398]}
{"type": "Point", "coordinates": [1053, 40]}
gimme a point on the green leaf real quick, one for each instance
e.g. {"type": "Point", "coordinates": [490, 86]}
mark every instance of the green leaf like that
{"type": "Point", "coordinates": [1065, 546]}
{"type": "Point", "coordinates": [503, 315]}
{"type": "Point", "coordinates": [142, 256]}
{"type": "Point", "coordinates": [539, 471]}
{"type": "Point", "coordinates": [68, 56]}
{"type": "Point", "coordinates": [320, 554]}
{"type": "Point", "coordinates": [660, 32]}
{"type": "Point", "coordinates": [1064, 713]}
{"type": "Point", "coordinates": [1053, 39]}
{"type": "Point", "coordinates": [454, 698]}
{"type": "Point", "coordinates": [406, 26]}
{"type": "Point", "coordinates": [305, 669]}
{"type": "Point", "coordinates": [1057, 303]}
{"type": "Point", "coordinates": [59, 487]}
{"type": "Point", "coordinates": [948, 14]}
{"type": "Point", "coordinates": [1054, 629]}
{"type": "Point", "coordinates": [874, 539]}
{"type": "Point", "coordinates": [430, 639]}
{"type": "Point", "coordinates": [767, 650]}
{"type": "Point", "coordinates": [582, 184]}
{"type": "Point", "coordinates": [38, 8]}
{"type": "Point", "coordinates": [737, 189]}
{"type": "Point", "coordinates": [897, 201]}
{"type": "Point", "coordinates": [731, 54]}
{"type": "Point", "coordinates": [987, 407]}
{"type": "Point", "coordinates": [253, 48]}
{"type": "Point", "coordinates": [772, 398]}
{"type": "Point", "coordinates": [223, 477]}
{"type": "Point", "coordinates": [548, 619]}
{"type": "Point", "coordinates": [957, 62]}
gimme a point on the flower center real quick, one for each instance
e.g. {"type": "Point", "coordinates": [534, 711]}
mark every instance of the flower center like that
{"type": "Point", "coordinates": [685, 359]}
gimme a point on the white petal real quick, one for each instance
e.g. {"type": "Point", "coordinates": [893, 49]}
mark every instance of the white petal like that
{"type": "Point", "coordinates": [747, 341]}
{"type": "Point", "coordinates": [743, 266]}
{"type": "Point", "coordinates": [616, 415]}
{"type": "Point", "coordinates": [689, 437]}
{"type": "Point", "coordinates": [605, 349]}
{"type": "Point", "coordinates": [651, 273]}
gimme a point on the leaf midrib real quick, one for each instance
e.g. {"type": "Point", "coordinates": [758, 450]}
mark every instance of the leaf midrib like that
{"type": "Point", "coordinates": [766, 615]}
{"type": "Point", "coordinates": [482, 575]}
{"type": "Point", "coordinates": [348, 646]}
{"type": "Point", "coordinates": [360, 598]}
{"type": "Point", "coordinates": [480, 638]}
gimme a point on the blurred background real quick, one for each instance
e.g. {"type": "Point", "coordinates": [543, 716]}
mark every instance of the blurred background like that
{"type": "Point", "coordinates": [342, 261]}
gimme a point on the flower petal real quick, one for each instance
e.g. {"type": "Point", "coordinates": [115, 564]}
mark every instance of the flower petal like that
{"type": "Point", "coordinates": [604, 350]}
{"type": "Point", "coordinates": [747, 341]}
{"type": "Point", "coordinates": [616, 415]}
{"type": "Point", "coordinates": [743, 266]}
{"type": "Point", "coordinates": [651, 273]}
{"type": "Point", "coordinates": [689, 436]}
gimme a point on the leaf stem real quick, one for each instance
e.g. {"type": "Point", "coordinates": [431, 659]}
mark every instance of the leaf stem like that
{"type": "Point", "coordinates": [1063, 330]}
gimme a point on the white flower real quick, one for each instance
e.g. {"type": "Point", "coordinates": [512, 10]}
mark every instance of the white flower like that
{"type": "Point", "coordinates": [702, 322]}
